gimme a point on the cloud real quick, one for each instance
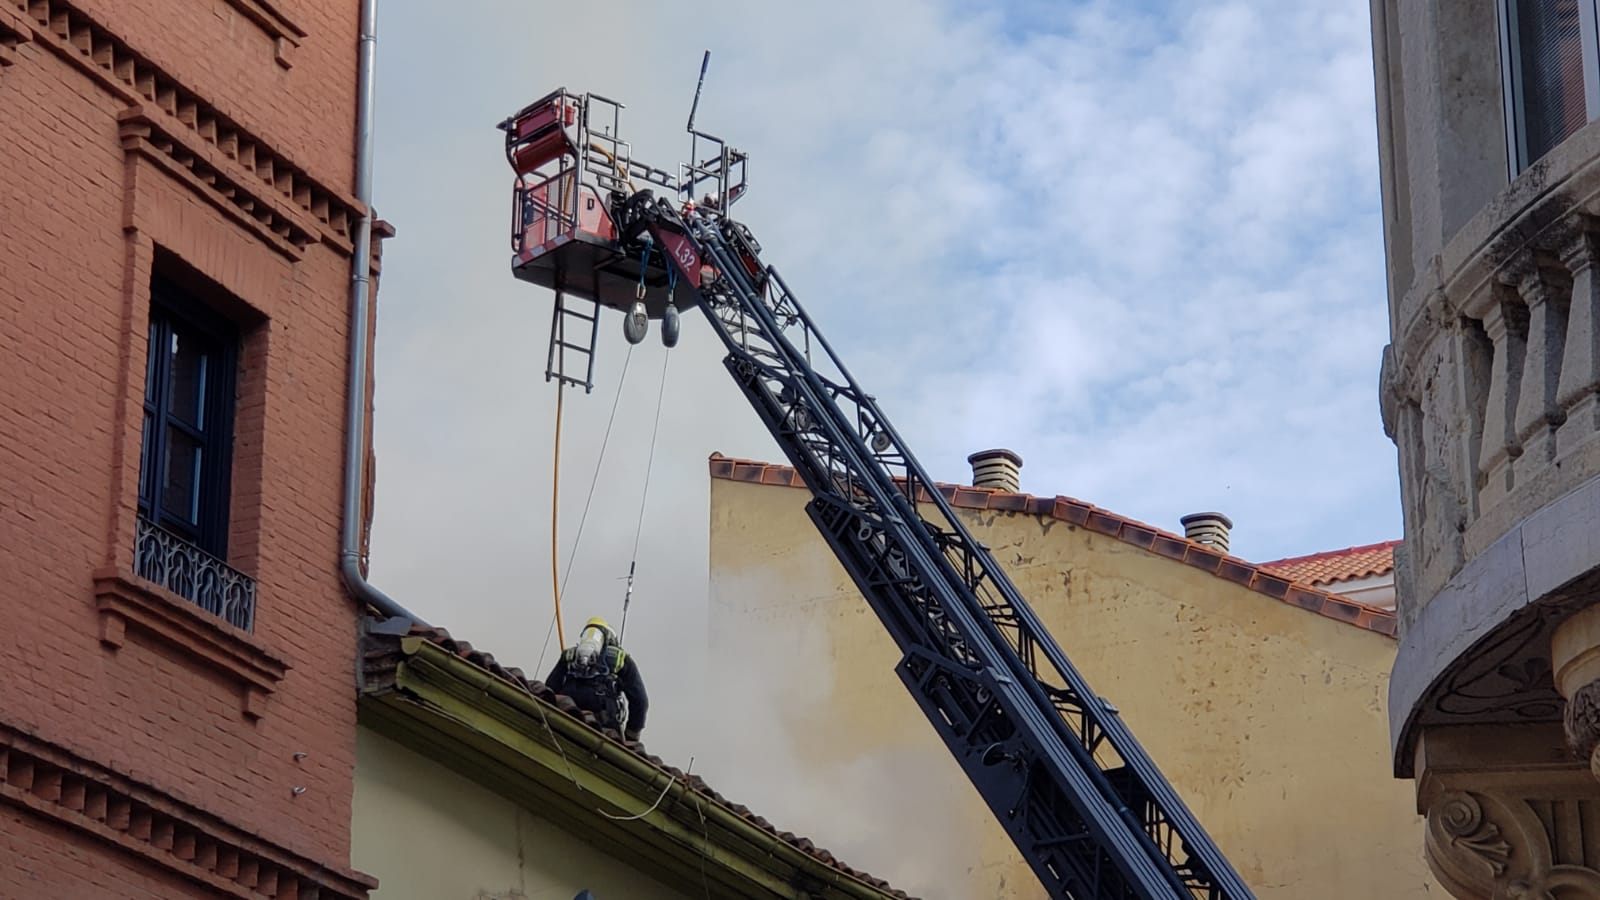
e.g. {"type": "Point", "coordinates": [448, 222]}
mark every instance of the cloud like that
{"type": "Point", "coordinates": [1139, 243]}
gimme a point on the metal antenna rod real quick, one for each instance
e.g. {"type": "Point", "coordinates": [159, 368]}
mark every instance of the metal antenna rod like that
{"type": "Point", "coordinates": [626, 599]}
{"type": "Point", "coordinates": [704, 61]}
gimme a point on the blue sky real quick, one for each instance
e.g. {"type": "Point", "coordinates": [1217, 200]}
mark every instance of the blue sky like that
{"type": "Point", "coordinates": [1139, 244]}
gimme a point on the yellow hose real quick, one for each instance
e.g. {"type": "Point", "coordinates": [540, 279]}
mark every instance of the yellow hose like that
{"type": "Point", "coordinates": [555, 509]}
{"type": "Point", "coordinates": [555, 488]}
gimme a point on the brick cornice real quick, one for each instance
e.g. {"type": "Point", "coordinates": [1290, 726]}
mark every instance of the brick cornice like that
{"type": "Point", "coordinates": [1093, 518]}
{"type": "Point", "coordinates": [14, 30]}
{"type": "Point", "coordinates": [327, 213]}
{"type": "Point", "coordinates": [215, 179]}
{"type": "Point", "coordinates": [125, 600]}
{"type": "Point", "coordinates": [86, 797]}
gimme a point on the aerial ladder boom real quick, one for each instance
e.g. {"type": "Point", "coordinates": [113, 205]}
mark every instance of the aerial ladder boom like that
{"type": "Point", "coordinates": [1085, 805]}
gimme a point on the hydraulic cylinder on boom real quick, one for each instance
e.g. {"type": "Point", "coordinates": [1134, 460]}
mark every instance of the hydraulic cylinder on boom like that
{"type": "Point", "coordinates": [1085, 805]}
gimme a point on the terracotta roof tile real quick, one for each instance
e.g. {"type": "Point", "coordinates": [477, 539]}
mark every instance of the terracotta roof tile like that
{"type": "Point", "coordinates": [1285, 580]}
{"type": "Point", "coordinates": [540, 691]}
{"type": "Point", "coordinates": [1337, 565]}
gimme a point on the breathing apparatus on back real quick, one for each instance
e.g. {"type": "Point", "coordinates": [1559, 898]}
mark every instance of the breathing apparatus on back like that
{"type": "Point", "coordinates": [597, 658]}
{"type": "Point", "coordinates": [592, 642]}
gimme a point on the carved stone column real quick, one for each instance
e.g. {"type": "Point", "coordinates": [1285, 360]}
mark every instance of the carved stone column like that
{"type": "Point", "coordinates": [1537, 413]}
{"type": "Point", "coordinates": [1506, 325]}
{"type": "Point", "coordinates": [1575, 658]}
{"type": "Point", "coordinates": [1510, 816]}
{"type": "Point", "coordinates": [1578, 393]}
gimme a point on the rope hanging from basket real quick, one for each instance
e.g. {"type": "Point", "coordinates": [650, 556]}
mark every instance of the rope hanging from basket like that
{"type": "Point", "coordinates": [644, 498]}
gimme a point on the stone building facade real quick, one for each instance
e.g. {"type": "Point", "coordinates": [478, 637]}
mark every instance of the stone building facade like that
{"type": "Point", "coordinates": [1490, 389]}
{"type": "Point", "coordinates": [177, 226]}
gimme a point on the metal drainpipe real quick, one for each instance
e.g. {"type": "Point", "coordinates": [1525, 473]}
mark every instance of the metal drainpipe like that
{"type": "Point", "coordinates": [360, 320]}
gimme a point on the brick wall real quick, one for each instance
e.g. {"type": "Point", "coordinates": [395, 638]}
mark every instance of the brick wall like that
{"type": "Point", "coordinates": [209, 139]}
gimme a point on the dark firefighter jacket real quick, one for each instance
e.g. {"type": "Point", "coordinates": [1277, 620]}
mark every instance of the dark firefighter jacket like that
{"type": "Point", "coordinates": [618, 674]}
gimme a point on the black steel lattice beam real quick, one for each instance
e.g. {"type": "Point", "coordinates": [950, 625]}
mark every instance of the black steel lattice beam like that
{"type": "Point", "coordinates": [1058, 768]}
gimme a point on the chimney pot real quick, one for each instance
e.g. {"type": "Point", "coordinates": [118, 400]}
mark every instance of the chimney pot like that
{"type": "Point", "coordinates": [998, 469]}
{"type": "Point", "coordinates": [1209, 528]}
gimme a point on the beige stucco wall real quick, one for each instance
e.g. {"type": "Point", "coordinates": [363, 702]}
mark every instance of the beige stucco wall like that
{"type": "Point", "coordinates": [429, 834]}
{"type": "Point", "coordinates": [1269, 719]}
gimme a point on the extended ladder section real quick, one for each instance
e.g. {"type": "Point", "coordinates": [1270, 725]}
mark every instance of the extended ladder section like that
{"type": "Point", "coordinates": [1083, 802]}
{"type": "Point", "coordinates": [1087, 807]}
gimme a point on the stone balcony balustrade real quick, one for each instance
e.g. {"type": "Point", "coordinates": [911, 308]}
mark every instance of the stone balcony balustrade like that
{"type": "Point", "coordinates": [1491, 392]}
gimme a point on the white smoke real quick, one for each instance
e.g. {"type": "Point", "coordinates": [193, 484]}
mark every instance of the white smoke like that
{"type": "Point", "coordinates": [896, 806]}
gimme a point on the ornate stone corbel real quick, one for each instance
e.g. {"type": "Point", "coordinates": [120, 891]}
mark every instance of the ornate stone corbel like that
{"type": "Point", "coordinates": [1582, 723]}
{"type": "Point", "coordinates": [1575, 657]}
{"type": "Point", "coordinates": [1492, 844]}
{"type": "Point", "coordinates": [1389, 391]}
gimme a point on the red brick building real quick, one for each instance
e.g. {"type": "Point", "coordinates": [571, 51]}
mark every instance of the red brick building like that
{"type": "Point", "coordinates": [178, 216]}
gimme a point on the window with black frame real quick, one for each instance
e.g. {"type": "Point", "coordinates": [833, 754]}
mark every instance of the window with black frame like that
{"type": "Point", "coordinates": [1550, 55]}
{"type": "Point", "coordinates": [188, 420]}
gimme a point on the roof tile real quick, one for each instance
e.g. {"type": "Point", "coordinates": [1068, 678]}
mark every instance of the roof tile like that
{"type": "Point", "coordinates": [1138, 536]}
{"type": "Point", "coordinates": [1341, 609]}
{"type": "Point", "coordinates": [1071, 512]}
{"type": "Point", "coordinates": [1271, 585]}
{"type": "Point", "coordinates": [1306, 599]}
{"type": "Point", "coordinates": [1236, 571]}
{"type": "Point", "coordinates": [1009, 502]}
{"type": "Point", "coordinates": [1282, 580]}
{"type": "Point", "coordinates": [970, 499]}
{"type": "Point", "coordinates": [1202, 559]}
{"type": "Point", "coordinates": [1103, 523]}
{"type": "Point", "coordinates": [1333, 566]}
{"type": "Point", "coordinates": [1169, 546]}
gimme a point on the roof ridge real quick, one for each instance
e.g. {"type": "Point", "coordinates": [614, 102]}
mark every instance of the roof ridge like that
{"type": "Point", "coordinates": [1333, 554]}
{"type": "Point", "coordinates": [1253, 576]}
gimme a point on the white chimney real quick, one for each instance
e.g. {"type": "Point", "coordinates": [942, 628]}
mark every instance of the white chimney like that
{"type": "Point", "coordinates": [1209, 528]}
{"type": "Point", "coordinates": [997, 469]}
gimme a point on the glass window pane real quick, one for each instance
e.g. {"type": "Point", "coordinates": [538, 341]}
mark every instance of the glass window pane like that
{"type": "Point", "coordinates": [190, 365]}
{"type": "Point", "coordinates": [147, 451]}
{"type": "Point", "coordinates": [1550, 47]}
{"type": "Point", "coordinates": [180, 492]}
{"type": "Point", "coordinates": [152, 354]}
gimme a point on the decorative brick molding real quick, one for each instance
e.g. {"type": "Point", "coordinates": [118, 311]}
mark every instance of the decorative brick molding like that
{"type": "Point", "coordinates": [125, 600]}
{"type": "Point", "coordinates": [14, 30]}
{"type": "Point", "coordinates": [91, 800]}
{"type": "Point", "coordinates": [233, 161]}
{"type": "Point", "coordinates": [285, 35]}
{"type": "Point", "coordinates": [206, 172]}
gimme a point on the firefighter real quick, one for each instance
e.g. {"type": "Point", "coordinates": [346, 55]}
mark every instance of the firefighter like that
{"type": "Point", "coordinates": [603, 679]}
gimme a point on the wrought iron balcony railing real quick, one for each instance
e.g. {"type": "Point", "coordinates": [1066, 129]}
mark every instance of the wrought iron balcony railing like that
{"type": "Point", "coordinates": [204, 580]}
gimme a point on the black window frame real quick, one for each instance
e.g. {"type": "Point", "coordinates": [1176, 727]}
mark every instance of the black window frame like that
{"type": "Point", "coordinates": [174, 310]}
